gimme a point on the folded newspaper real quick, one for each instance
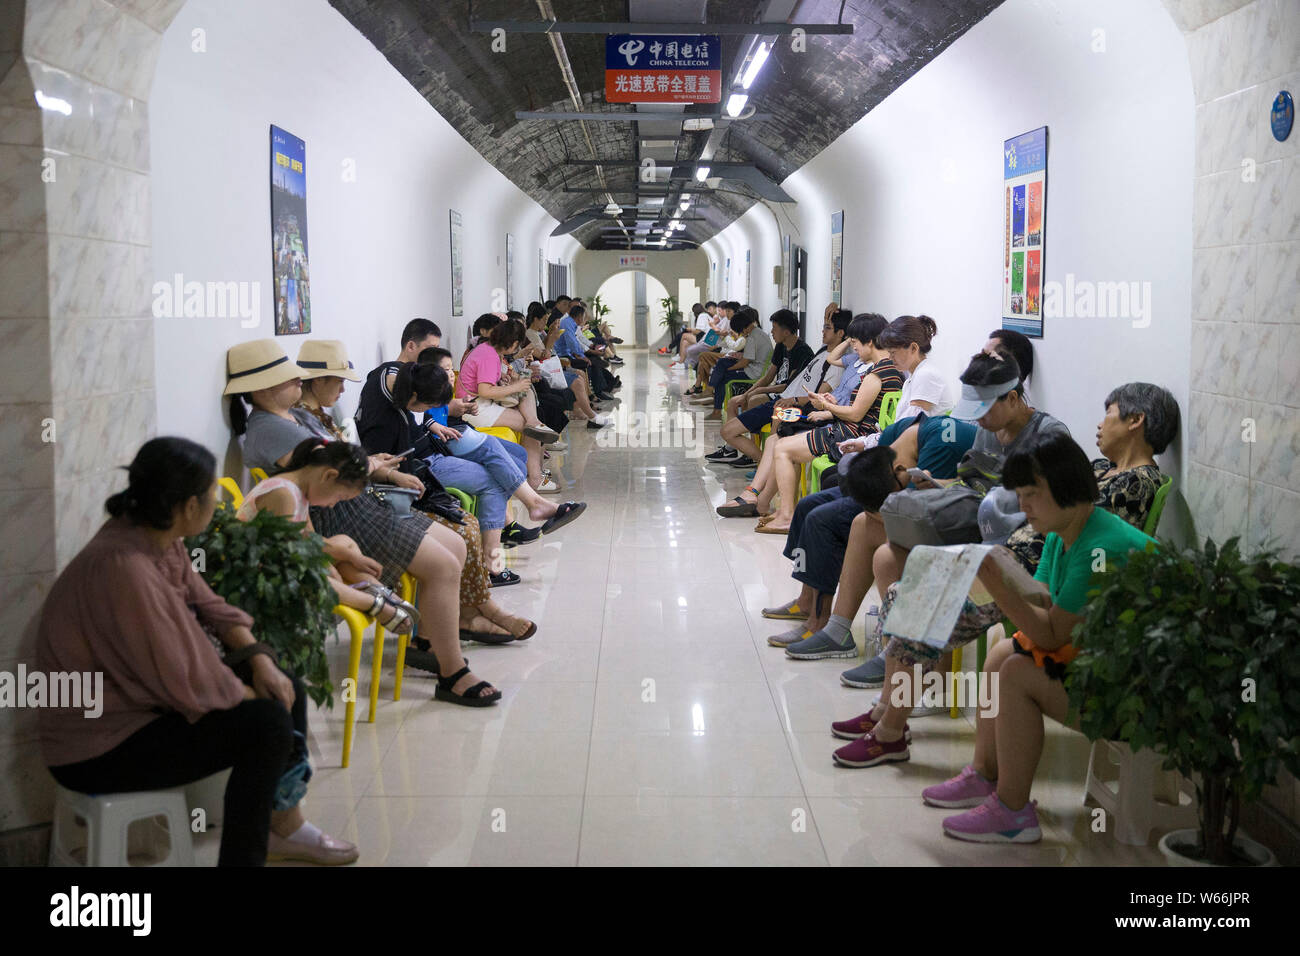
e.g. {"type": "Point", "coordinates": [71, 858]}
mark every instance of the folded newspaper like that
{"type": "Point", "coordinates": [936, 582]}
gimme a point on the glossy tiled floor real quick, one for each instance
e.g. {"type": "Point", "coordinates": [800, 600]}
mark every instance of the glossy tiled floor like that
{"type": "Point", "coordinates": [648, 722]}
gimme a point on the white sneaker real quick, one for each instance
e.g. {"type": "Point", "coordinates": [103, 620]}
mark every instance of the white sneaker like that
{"type": "Point", "coordinates": [549, 487]}
{"type": "Point", "coordinates": [559, 446]}
{"type": "Point", "coordinates": [677, 366]}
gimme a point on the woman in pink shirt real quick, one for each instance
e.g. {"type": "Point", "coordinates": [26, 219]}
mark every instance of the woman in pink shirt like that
{"type": "Point", "coordinates": [130, 606]}
{"type": "Point", "coordinates": [484, 380]}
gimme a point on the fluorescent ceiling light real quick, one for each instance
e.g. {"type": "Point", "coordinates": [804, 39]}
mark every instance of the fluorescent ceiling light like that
{"type": "Point", "coordinates": [697, 125]}
{"type": "Point", "coordinates": [702, 173]}
{"type": "Point", "coordinates": [755, 64]}
{"type": "Point", "coordinates": [735, 103]}
{"type": "Point", "coordinates": [684, 204]}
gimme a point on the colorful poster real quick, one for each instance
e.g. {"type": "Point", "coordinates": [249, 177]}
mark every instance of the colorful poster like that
{"type": "Point", "coordinates": [663, 68]}
{"type": "Point", "coordinates": [457, 269]}
{"type": "Point", "coordinates": [1018, 216]}
{"type": "Point", "coordinates": [837, 257]}
{"type": "Point", "coordinates": [747, 276]}
{"type": "Point", "coordinates": [290, 277]}
{"type": "Point", "coordinates": [1017, 283]}
{"type": "Point", "coordinates": [1033, 280]}
{"type": "Point", "coordinates": [1024, 176]}
{"type": "Point", "coordinates": [726, 279]}
{"type": "Point", "coordinates": [1034, 213]}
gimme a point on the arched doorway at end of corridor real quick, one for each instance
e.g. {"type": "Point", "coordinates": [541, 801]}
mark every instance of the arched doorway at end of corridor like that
{"type": "Point", "coordinates": [635, 301]}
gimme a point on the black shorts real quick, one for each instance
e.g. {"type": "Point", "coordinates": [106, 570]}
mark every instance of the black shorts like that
{"type": "Point", "coordinates": [756, 418]}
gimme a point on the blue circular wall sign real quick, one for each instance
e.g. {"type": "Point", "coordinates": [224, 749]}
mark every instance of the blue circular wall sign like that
{"type": "Point", "coordinates": [1283, 115]}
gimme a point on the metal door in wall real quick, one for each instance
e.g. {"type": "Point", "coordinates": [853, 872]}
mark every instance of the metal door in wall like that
{"type": "Point", "coordinates": [640, 308]}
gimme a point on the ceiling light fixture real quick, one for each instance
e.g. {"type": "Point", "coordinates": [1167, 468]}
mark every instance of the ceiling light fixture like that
{"type": "Point", "coordinates": [613, 209]}
{"type": "Point", "coordinates": [755, 64]}
{"type": "Point", "coordinates": [736, 103]}
{"type": "Point", "coordinates": [702, 173]}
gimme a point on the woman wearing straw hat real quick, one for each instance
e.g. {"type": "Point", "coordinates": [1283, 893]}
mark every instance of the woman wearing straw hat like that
{"type": "Point", "coordinates": [382, 543]}
{"type": "Point", "coordinates": [325, 367]}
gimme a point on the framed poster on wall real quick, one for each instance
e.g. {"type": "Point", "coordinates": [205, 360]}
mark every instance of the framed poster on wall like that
{"type": "Point", "coordinates": [783, 291]}
{"type": "Point", "coordinates": [541, 276]}
{"type": "Point", "coordinates": [457, 269]}
{"type": "Point", "coordinates": [510, 272]}
{"type": "Point", "coordinates": [713, 280]}
{"type": "Point", "coordinates": [837, 257]}
{"type": "Point", "coordinates": [290, 280]}
{"type": "Point", "coordinates": [726, 279]}
{"type": "Point", "coordinates": [747, 276]}
{"type": "Point", "coordinates": [1024, 201]}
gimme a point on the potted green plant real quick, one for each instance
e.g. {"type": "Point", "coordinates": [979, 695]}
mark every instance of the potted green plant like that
{"type": "Point", "coordinates": [1193, 654]}
{"type": "Point", "coordinates": [672, 317]}
{"type": "Point", "coordinates": [597, 314]}
{"type": "Point", "coordinates": [270, 569]}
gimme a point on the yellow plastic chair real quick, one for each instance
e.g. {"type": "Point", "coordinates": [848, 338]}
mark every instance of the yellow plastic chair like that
{"type": "Point", "coordinates": [500, 431]}
{"type": "Point", "coordinates": [232, 489]}
{"type": "Point", "coordinates": [357, 624]}
{"type": "Point", "coordinates": [258, 474]}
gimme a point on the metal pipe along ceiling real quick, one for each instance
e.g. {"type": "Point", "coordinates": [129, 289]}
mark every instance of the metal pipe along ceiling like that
{"type": "Point", "coordinates": [575, 96]}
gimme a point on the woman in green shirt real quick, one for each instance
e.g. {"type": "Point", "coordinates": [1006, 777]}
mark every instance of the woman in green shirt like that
{"type": "Point", "coordinates": [1057, 487]}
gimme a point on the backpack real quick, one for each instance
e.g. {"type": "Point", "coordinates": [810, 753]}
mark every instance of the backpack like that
{"type": "Point", "coordinates": [933, 516]}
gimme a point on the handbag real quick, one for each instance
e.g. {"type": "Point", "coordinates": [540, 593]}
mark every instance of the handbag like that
{"type": "Point", "coordinates": [554, 373]}
{"type": "Point", "coordinates": [932, 516]}
{"type": "Point", "coordinates": [435, 499]}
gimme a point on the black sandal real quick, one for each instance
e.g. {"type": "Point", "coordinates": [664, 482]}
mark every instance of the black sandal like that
{"type": "Point", "coordinates": [565, 513]}
{"type": "Point", "coordinates": [741, 509]}
{"type": "Point", "coordinates": [473, 696]}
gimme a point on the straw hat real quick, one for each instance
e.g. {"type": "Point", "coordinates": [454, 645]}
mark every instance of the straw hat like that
{"type": "Point", "coordinates": [326, 357]}
{"type": "Point", "coordinates": [259, 364]}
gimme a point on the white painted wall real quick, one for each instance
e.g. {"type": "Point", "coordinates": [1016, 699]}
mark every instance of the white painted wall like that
{"type": "Point", "coordinates": [619, 293]}
{"type": "Point", "coordinates": [378, 247]}
{"type": "Point", "coordinates": [919, 179]}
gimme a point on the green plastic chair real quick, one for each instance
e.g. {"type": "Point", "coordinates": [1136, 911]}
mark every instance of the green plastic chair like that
{"type": "Point", "coordinates": [814, 474]}
{"type": "Point", "coordinates": [888, 409]}
{"type": "Point", "coordinates": [730, 391]}
{"type": "Point", "coordinates": [468, 502]}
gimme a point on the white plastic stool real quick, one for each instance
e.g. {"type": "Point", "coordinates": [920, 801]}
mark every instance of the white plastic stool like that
{"type": "Point", "coordinates": [209, 795]}
{"type": "Point", "coordinates": [108, 818]}
{"type": "Point", "coordinates": [1142, 797]}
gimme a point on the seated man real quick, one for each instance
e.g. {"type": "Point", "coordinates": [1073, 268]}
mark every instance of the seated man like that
{"type": "Point", "coordinates": [753, 408]}
{"type": "Point", "coordinates": [819, 534]}
{"type": "Point", "coordinates": [749, 362]}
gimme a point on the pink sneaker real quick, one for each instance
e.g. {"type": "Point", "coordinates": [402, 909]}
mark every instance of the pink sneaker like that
{"type": "Point", "coordinates": [993, 822]}
{"type": "Point", "coordinates": [967, 789]}
{"type": "Point", "coordinates": [859, 727]}
{"type": "Point", "coordinates": [869, 751]}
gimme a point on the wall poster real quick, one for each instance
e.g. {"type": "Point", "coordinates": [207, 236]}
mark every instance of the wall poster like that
{"type": "Point", "coordinates": [837, 257]}
{"type": "Point", "coordinates": [747, 276]}
{"type": "Point", "coordinates": [726, 280]}
{"type": "Point", "coordinates": [289, 274]}
{"type": "Point", "coordinates": [510, 272]}
{"type": "Point", "coordinates": [783, 292]}
{"type": "Point", "coordinates": [1024, 197]}
{"type": "Point", "coordinates": [541, 276]}
{"type": "Point", "coordinates": [457, 270]}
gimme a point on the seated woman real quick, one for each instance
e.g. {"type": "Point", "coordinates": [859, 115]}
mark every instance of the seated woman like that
{"type": "Point", "coordinates": [323, 474]}
{"type": "Point", "coordinates": [413, 389]}
{"type": "Point", "coordinates": [1140, 421]}
{"type": "Point", "coordinates": [131, 606]}
{"type": "Point", "coordinates": [1057, 489]}
{"type": "Point", "coordinates": [855, 414]}
{"type": "Point", "coordinates": [326, 362]}
{"type": "Point", "coordinates": [484, 381]}
{"type": "Point", "coordinates": [260, 373]}
{"type": "Point", "coordinates": [745, 362]}
{"type": "Point", "coordinates": [540, 349]}
{"type": "Point", "coordinates": [732, 345]}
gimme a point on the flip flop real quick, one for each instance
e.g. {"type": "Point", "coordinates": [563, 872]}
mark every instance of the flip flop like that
{"type": "Point", "coordinates": [741, 509]}
{"type": "Point", "coordinates": [768, 529]}
{"type": "Point", "coordinates": [564, 514]}
{"type": "Point", "coordinates": [482, 637]}
{"type": "Point", "coordinates": [543, 435]}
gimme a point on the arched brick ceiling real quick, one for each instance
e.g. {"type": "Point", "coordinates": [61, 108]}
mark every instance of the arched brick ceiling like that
{"type": "Point", "coordinates": [812, 96]}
